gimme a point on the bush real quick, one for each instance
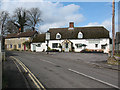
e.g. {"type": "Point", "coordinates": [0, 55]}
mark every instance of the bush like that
{"type": "Point", "coordinates": [52, 50]}
{"type": "Point", "coordinates": [91, 51]}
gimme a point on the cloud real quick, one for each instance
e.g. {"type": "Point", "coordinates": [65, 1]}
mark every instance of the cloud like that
{"type": "Point", "coordinates": [22, 0]}
{"type": "Point", "coordinates": [107, 24]}
{"type": "Point", "coordinates": [53, 14]}
{"type": "Point", "coordinates": [59, 15]}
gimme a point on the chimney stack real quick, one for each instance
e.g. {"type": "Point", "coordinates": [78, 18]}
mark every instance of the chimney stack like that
{"type": "Point", "coordinates": [71, 25]}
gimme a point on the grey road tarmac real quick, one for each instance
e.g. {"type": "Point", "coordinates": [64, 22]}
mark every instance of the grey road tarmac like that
{"type": "Point", "coordinates": [68, 70]}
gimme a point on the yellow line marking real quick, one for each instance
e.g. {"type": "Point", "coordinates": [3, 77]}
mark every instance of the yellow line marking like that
{"type": "Point", "coordinates": [17, 66]}
{"type": "Point", "coordinates": [34, 81]}
{"type": "Point", "coordinates": [31, 76]}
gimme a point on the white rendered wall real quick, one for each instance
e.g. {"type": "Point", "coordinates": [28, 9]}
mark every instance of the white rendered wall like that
{"type": "Point", "coordinates": [91, 45]}
{"type": "Point", "coordinates": [84, 41]}
{"type": "Point", "coordinates": [33, 45]}
{"type": "Point", "coordinates": [42, 48]}
{"type": "Point", "coordinates": [55, 41]}
{"type": "Point", "coordinates": [89, 42]}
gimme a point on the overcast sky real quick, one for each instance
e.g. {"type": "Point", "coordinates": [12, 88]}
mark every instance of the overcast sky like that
{"type": "Point", "coordinates": [59, 14]}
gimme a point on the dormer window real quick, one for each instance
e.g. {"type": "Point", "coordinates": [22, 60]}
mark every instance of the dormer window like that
{"type": "Point", "coordinates": [80, 35]}
{"type": "Point", "coordinates": [58, 36]}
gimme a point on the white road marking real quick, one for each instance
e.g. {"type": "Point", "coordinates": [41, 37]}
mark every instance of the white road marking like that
{"type": "Point", "coordinates": [48, 61]}
{"type": "Point", "coordinates": [94, 78]}
{"type": "Point", "coordinates": [31, 75]}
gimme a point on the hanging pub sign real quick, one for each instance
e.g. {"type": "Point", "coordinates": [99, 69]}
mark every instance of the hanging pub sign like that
{"type": "Point", "coordinates": [47, 35]}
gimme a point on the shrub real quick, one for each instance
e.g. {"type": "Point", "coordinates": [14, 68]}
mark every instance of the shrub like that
{"type": "Point", "coordinates": [91, 51]}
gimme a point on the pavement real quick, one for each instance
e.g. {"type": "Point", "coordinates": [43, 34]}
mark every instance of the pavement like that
{"type": "Point", "coordinates": [12, 77]}
{"type": "Point", "coordinates": [104, 64]}
{"type": "Point", "coordinates": [0, 75]}
{"type": "Point", "coordinates": [0, 71]}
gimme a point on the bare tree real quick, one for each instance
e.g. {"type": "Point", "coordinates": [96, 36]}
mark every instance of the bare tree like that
{"type": "Point", "coordinates": [34, 18]}
{"type": "Point", "coordinates": [20, 19]}
{"type": "Point", "coordinates": [4, 17]}
{"type": "Point", "coordinates": [10, 27]}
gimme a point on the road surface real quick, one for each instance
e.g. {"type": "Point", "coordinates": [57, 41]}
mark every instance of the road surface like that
{"type": "Point", "coordinates": [67, 70]}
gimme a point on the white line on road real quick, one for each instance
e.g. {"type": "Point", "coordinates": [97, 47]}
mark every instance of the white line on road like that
{"type": "Point", "coordinates": [94, 78]}
{"type": "Point", "coordinates": [48, 62]}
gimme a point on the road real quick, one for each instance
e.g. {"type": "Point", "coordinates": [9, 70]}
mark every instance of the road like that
{"type": "Point", "coordinates": [68, 70]}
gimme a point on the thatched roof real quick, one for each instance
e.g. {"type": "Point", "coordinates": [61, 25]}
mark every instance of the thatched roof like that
{"type": "Point", "coordinates": [22, 34]}
{"type": "Point", "coordinates": [39, 38]}
{"type": "Point", "coordinates": [88, 33]}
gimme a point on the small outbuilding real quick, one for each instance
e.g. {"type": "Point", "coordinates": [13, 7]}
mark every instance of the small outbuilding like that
{"type": "Point", "coordinates": [38, 43]}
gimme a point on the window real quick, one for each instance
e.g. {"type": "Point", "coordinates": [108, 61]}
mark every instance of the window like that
{"type": "Point", "coordinates": [55, 45]}
{"type": "Point", "coordinates": [96, 45]}
{"type": "Point", "coordinates": [39, 45]}
{"type": "Point", "coordinates": [103, 46]}
{"type": "Point", "coordinates": [58, 36]}
{"type": "Point", "coordinates": [7, 46]}
{"type": "Point", "coordinates": [79, 45]}
{"type": "Point", "coordinates": [19, 45]}
{"type": "Point", "coordinates": [10, 45]}
{"type": "Point", "coordinates": [80, 35]}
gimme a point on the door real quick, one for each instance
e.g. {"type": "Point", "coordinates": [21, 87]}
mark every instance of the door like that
{"type": "Point", "coordinates": [15, 47]}
{"type": "Point", "coordinates": [66, 47]}
{"type": "Point", "coordinates": [34, 47]}
{"type": "Point", "coordinates": [24, 47]}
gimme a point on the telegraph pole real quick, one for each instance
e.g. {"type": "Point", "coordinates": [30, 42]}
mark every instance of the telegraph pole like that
{"type": "Point", "coordinates": [113, 28]}
{"type": "Point", "coordinates": [0, 59]}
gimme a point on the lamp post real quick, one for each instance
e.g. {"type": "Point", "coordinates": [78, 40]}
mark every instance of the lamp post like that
{"type": "Point", "coordinates": [47, 39]}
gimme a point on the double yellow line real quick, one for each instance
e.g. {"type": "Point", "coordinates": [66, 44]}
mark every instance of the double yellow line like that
{"type": "Point", "coordinates": [31, 75]}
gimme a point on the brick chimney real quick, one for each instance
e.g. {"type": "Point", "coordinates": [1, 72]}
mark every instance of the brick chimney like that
{"type": "Point", "coordinates": [71, 26]}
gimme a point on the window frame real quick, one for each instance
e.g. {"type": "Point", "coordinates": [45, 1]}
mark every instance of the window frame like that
{"type": "Point", "coordinates": [80, 35]}
{"type": "Point", "coordinates": [39, 45]}
{"type": "Point", "coordinates": [96, 45]}
{"type": "Point", "coordinates": [19, 45]}
{"type": "Point", "coordinates": [58, 34]}
{"type": "Point", "coordinates": [78, 45]}
{"type": "Point", "coordinates": [10, 45]}
{"type": "Point", "coordinates": [103, 47]}
{"type": "Point", "coordinates": [54, 45]}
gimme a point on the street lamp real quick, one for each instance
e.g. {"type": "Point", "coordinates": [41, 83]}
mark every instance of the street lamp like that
{"type": "Point", "coordinates": [47, 39]}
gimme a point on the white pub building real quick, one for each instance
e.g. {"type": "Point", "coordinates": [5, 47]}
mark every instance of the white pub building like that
{"type": "Point", "coordinates": [74, 39]}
